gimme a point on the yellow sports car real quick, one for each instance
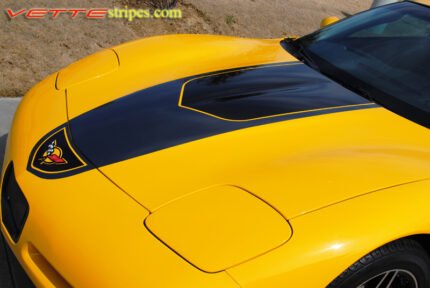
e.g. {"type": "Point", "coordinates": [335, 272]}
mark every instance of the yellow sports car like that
{"type": "Point", "coordinates": [210, 161]}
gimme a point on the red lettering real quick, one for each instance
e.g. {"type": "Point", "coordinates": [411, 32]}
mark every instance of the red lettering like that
{"type": "Point", "coordinates": [75, 12]}
{"type": "Point", "coordinates": [14, 14]}
{"type": "Point", "coordinates": [36, 13]}
{"type": "Point", "coordinates": [97, 13]}
{"type": "Point", "coordinates": [56, 12]}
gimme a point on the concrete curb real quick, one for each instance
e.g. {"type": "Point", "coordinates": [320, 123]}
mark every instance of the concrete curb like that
{"type": "Point", "coordinates": [7, 110]}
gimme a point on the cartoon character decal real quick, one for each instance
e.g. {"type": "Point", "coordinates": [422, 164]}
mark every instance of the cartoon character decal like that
{"type": "Point", "coordinates": [54, 155]}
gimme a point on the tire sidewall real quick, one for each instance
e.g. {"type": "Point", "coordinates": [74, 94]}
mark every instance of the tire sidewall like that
{"type": "Point", "coordinates": [416, 264]}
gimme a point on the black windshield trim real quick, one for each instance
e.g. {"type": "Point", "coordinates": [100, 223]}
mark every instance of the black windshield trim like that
{"type": "Point", "coordinates": [387, 101]}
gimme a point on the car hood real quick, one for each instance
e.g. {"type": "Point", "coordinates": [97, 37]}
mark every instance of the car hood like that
{"type": "Point", "coordinates": [242, 112]}
{"type": "Point", "coordinates": [297, 166]}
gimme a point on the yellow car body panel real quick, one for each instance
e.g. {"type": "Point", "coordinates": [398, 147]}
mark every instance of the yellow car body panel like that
{"type": "Point", "coordinates": [331, 239]}
{"type": "Point", "coordinates": [319, 172]}
{"type": "Point", "coordinates": [85, 250]}
{"type": "Point", "coordinates": [93, 66]}
{"type": "Point", "coordinates": [213, 211]}
{"type": "Point", "coordinates": [82, 237]}
{"type": "Point", "coordinates": [48, 110]}
{"type": "Point", "coordinates": [379, 148]}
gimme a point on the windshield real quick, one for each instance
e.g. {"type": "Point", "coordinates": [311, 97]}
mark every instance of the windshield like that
{"type": "Point", "coordinates": [382, 54]}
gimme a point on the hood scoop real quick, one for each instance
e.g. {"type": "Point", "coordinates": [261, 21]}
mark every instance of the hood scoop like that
{"type": "Point", "coordinates": [253, 93]}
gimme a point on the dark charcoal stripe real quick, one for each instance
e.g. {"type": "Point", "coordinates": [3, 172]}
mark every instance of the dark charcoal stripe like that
{"type": "Point", "coordinates": [150, 120]}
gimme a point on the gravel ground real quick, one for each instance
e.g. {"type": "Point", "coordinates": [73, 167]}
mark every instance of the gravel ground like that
{"type": "Point", "coordinates": [32, 49]}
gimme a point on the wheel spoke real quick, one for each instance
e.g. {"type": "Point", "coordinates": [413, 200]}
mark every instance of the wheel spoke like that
{"type": "Point", "coordinates": [392, 279]}
{"type": "Point", "coordinates": [396, 277]}
{"type": "Point", "coordinates": [383, 279]}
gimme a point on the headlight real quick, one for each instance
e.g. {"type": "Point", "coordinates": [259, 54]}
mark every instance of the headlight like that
{"type": "Point", "coordinates": [217, 228]}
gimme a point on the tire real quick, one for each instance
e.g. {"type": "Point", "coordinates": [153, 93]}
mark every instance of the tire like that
{"type": "Point", "coordinates": [404, 262]}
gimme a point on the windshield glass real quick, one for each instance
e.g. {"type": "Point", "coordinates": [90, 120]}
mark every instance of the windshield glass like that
{"type": "Point", "coordinates": [382, 54]}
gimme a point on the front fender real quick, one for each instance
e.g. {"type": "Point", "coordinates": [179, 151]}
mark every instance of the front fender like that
{"type": "Point", "coordinates": [42, 109]}
{"type": "Point", "coordinates": [329, 240]}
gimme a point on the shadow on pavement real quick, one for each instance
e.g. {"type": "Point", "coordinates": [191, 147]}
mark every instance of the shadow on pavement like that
{"type": "Point", "coordinates": [3, 140]}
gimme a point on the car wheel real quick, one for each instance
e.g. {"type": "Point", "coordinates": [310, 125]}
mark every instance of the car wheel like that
{"type": "Point", "coordinates": [401, 264]}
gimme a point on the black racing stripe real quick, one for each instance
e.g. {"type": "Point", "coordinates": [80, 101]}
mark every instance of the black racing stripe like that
{"type": "Point", "coordinates": [151, 119]}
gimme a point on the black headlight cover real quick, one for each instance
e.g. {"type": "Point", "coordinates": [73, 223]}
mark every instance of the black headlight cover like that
{"type": "Point", "coordinates": [14, 205]}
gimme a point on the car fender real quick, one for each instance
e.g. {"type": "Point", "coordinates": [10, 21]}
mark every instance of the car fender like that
{"type": "Point", "coordinates": [326, 242]}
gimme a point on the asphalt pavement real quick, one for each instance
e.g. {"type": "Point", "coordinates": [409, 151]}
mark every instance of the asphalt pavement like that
{"type": "Point", "coordinates": [7, 110]}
